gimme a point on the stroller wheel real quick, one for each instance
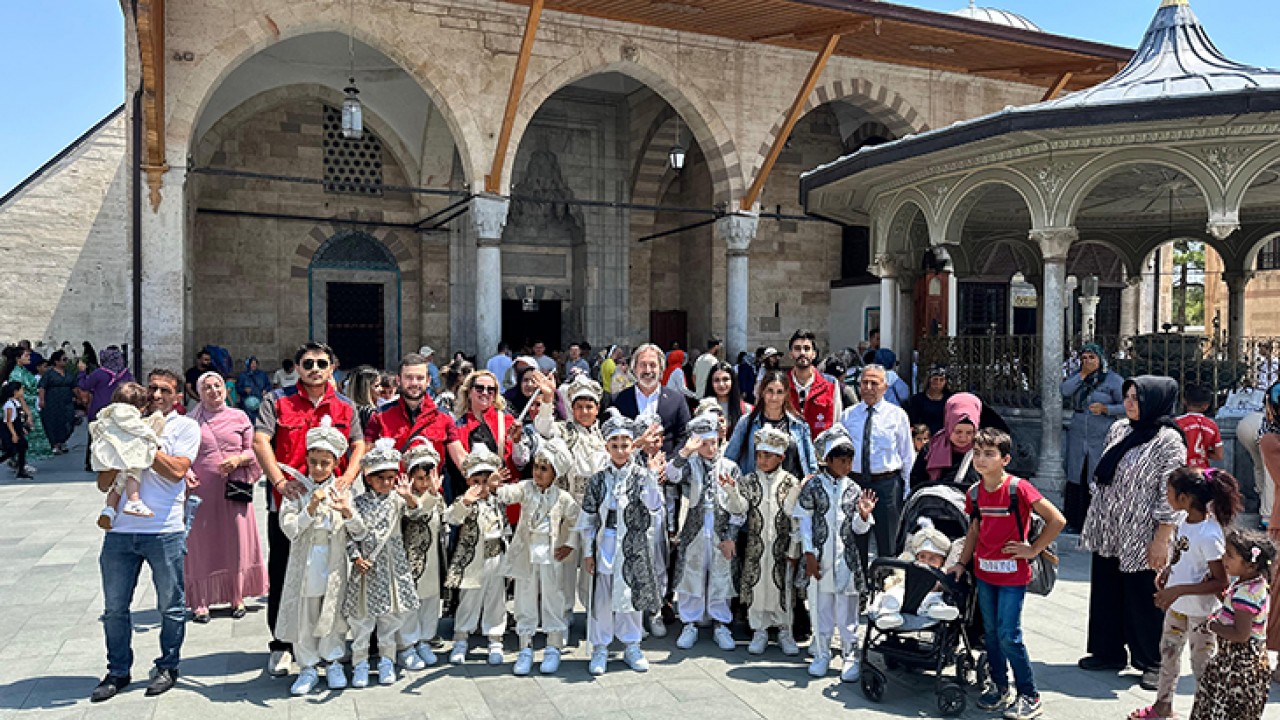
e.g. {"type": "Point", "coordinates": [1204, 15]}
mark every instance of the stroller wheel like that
{"type": "Point", "coordinates": [951, 700]}
{"type": "Point", "coordinates": [873, 682]}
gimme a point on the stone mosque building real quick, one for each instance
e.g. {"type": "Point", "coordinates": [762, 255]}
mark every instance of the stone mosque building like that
{"type": "Point", "coordinates": [514, 175]}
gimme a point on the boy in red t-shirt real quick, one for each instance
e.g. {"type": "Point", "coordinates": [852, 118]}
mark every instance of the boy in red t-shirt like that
{"type": "Point", "coordinates": [1204, 440]}
{"type": "Point", "coordinates": [999, 553]}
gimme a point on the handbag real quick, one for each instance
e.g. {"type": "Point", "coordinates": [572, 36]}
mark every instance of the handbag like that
{"type": "Point", "coordinates": [236, 488]}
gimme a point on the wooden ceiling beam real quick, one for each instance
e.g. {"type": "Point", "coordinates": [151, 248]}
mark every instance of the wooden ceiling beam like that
{"type": "Point", "coordinates": [149, 23]}
{"type": "Point", "coordinates": [493, 181]}
{"type": "Point", "coordinates": [793, 116]}
{"type": "Point", "coordinates": [1057, 87]}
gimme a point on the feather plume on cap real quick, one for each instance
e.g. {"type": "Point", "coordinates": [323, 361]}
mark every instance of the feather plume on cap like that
{"type": "Point", "coordinates": [326, 437]}
{"type": "Point", "coordinates": [383, 456]}
{"type": "Point", "coordinates": [617, 424]}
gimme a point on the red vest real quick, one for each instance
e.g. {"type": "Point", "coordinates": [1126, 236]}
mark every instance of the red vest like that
{"type": "Point", "coordinates": [819, 407]}
{"type": "Point", "coordinates": [511, 431]}
{"type": "Point", "coordinates": [295, 415]}
{"type": "Point", "coordinates": [393, 421]}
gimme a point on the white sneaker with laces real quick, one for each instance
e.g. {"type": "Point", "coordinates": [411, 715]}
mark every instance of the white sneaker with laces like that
{"type": "Point", "coordinates": [1026, 708]}
{"type": "Point", "coordinates": [495, 653]}
{"type": "Point", "coordinates": [942, 611]}
{"type": "Point", "coordinates": [888, 620]}
{"type": "Point", "coordinates": [759, 641]}
{"type": "Point", "coordinates": [458, 654]}
{"type": "Point", "coordinates": [524, 662]}
{"type": "Point", "coordinates": [635, 658]}
{"type": "Point", "coordinates": [688, 636]}
{"type": "Point", "coordinates": [409, 660]}
{"type": "Point", "coordinates": [336, 676]}
{"type": "Point", "coordinates": [386, 671]}
{"type": "Point", "coordinates": [307, 680]}
{"type": "Point", "coordinates": [821, 649]}
{"type": "Point", "coordinates": [852, 669]}
{"type": "Point", "coordinates": [360, 674]}
{"type": "Point", "coordinates": [137, 508]}
{"type": "Point", "coordinates": [278, 663]}
{"type": "Point", "coordinates": [724, 638]}
{"type": "Point", "coordinates": [427, 655]}
{"type": "Point", "coordinates": [550, 661]}
{"type": "Point", "coordinates": [599, 659]}
{"type": "Point", "coordinates": [787, 641]}
{"type": "Point", "coordinates": [657, 627]}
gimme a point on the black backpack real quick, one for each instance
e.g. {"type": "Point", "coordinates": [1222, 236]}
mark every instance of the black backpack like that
{"type": "Point", "coordinates": [1044, 567]}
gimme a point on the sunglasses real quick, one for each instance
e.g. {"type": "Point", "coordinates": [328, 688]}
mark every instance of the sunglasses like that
{"type": "Point", "coordinates": [312, 364]}
{"type": "Point", "coordinates": [485, 389]}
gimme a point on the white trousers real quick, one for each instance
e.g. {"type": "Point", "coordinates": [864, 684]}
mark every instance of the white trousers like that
{"type": "Point", "coordinates": [761, 618]}
{"type": "Point", "coordinates": [310, 650]}
{"type": "Point", "coordinates": [420, 625]}
{"type": "Point", "coordinates": [694, 608]}
{"type": "Point", "coordinates": [604, 624]}
{"type": "Point", "coordinates": [575, 583]}
{"type": "Point", "coordinates": [362, 629]}
{"type": "Point", "coordinates": [832, 611]}
{"type": "Point", "coordinates": [540, 601]}
{"type": "Point", "coordinates": [1247, 435]}
{"type": "Point", "coordinates": [483, 609]}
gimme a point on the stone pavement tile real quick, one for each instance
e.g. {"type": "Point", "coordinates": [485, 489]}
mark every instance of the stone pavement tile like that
{"type": "Point", "coordinates": [124, 707]}
{"type": "Point", "coordinates": [75, 713]}
{"type": "Point", "coordinates": [60, 691]}
{"type": "Point", "coordinates": [729, 708]}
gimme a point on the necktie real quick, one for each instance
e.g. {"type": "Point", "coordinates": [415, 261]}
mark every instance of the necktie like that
{"type": "Point", "coordinates": [866, 445]}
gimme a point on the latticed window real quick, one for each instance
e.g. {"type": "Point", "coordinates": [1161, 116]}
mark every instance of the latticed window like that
{"type": "Point", "coordinates": [1269, 256]}
{"type": "Point", "coordinates": [354, 250]}
{"type": "Point", "coordinates": [982, 306]}
{"type": "Point", "coordinates": [350, 166]}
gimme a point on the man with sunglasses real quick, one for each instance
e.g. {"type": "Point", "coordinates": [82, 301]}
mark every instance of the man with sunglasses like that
{"type": "Point", "coordinates": [280, 437]}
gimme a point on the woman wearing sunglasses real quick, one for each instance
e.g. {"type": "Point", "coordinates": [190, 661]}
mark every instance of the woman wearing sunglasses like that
{"type": "Point", "coordinates": [483, 419]}
{"type": "Point", "coordinates": [1269, 447]}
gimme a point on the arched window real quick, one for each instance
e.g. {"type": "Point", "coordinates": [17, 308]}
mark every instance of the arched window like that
{"type": "Point", "coordinates": [354, 250]}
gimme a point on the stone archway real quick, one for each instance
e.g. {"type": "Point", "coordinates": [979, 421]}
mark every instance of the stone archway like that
{"type": "Point", "coordinates": [355, 295]}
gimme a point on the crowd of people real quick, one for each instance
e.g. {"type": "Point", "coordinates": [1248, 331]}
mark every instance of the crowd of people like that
{"type": "Point", "coordinates": [651, 490]}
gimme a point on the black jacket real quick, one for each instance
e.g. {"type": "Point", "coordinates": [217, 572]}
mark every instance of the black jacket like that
{"type": "Point", "coordinates": [672, 409]}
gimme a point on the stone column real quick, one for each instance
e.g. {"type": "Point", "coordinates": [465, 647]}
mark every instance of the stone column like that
{"type": "Point", "coordinates": [1054, 244]}
{"type": "Point", "coordinates": [1130, 305]}
{"type": "Point", "coordinates": [1236, 284]}
{"type": "Point", "coordinates": [737, 230]}
{"type": "Point", "coordinates": [905, 329]}
{"type": "Point", "coordinates": [166, 291]}
{"type": "Point", "coordinates": [886, 267]}
{"type": "Point", "coordinates": [489, 216]}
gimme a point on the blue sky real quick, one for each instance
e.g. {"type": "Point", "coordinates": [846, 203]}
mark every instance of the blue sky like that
{"type": "Point", "coordinates": [65, 65]}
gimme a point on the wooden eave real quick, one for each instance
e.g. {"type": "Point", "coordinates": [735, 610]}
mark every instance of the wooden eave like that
{"type": "Point", "coordinates": [875, 31]}
{"type": "Point", "coordinates": [149, 20]}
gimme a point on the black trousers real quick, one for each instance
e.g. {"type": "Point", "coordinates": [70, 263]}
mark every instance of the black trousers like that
{"type": "Point", "coordinates": [1122, 614]}
{"type": "Point", "coordinates": [888, 510]}
{"type": "Point", "coordinates": [277, 563]}
{"type": "Point", "coordinates": [17, 452]}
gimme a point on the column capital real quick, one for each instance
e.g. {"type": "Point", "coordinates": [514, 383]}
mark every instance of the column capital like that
{"type": "Point", "coordinates": [738, 230]}
{"type": "Point", "coordinates": [887, 267]}
{"type": "Point", "coordinates": [1223, 225]}
{"type": "Point", "coordinates": [489, 217]}
{"type": "Point", "coordinates": [1054, 243]}
{"type": "Point", "coordinates": [1237, 279]}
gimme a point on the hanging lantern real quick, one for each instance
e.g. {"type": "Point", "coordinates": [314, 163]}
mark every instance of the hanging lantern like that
{"type": "Point", "coordinates": [1089, 287]}
{"type": "Point", "coordinates": [352, 113]}
{"type": "Point", "coordinates": [676, 157]}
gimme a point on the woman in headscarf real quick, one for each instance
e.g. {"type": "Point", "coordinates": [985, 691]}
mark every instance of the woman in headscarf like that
{"type": "Point", "coordinates": [17, 358]}
{"type": "Point", "coordinates": [674, 377]}
{"type": "Point", "coordinates": [1097, 402]}
{"type": "Point", "coordinates": [946, 458]}
{"type": "Point", "coordinates": [253, 385]}
{"type": "Point", "coordinates": [1269, 448]}
{"type": "Point", "coordinates": [101, 382]}
{"type": "Point", "coordinates": [224, 557]}
{"type": "Point", "coordinates": [1128, 529]}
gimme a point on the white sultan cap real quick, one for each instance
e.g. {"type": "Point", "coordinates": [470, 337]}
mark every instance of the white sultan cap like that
{"type": "Point", "coordinates": [383, 456]}
{"type": "Point", "coordinates": [772, 440]}
{"type": "Point", "coordinates": [583, 387]}
{"type": "Point", "coordinates": [705, 425]}
{"type": "Point", "coordinates": [480, 460]}
{"type": "Point", "coordinates": [556, 452]}
{"type": "Point", "coordinates": [832, 438]}
{"type": "Point", "coordinates": [420, 453]}
{"type": "Point", "coordinates": [327, 437]}
{"type": "Point", "coordinates": [709, 405]}
{"type": "Point", "coordinates": [617, 424]}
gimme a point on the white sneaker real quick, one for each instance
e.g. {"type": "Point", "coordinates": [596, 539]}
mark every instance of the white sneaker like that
{"type": "Point", "coordinates": [550, 661]}
{"type": "Point", "coordinates": [759, 641]}
{"type": "Point", "coordinates": [307, 680]}
{"type": "Point", "coordinates": [458, 654]}
{"type": "Point", "coordinates": [888, 620]}
{"type": "Point", "coordinates": [688, 636]}
{"type": "Point", "coordinates": [787, 641]}
{"type": "Point", "coordinates": [852, 669]}
{"type": "Point", "coordinates": [278, 663]}
{"type": "Point", "coordinates": [657, 627]}
{"type": "Point", "coordinates": [386, 671]}
{"type": "Point", "coordinates": [425, 653]}
{"type": "Point", "coordinates": [335, 676]}
{"type": "Point", "coordinates": [943, 612]}
{"type": "Point", "coordinates": [137, 508]}
{"type": "Point", "coordinates": [495, 653]}
{"type": "Point", "coordinates": [599, 659]}
{"type": "Point", "coordinates": [524, 662]}
{"type": "Point", "coordinates": [107, 518]}
{"type": "Point", "coordinates": [635, 658]}
{"type": "Point", "coordinates": [409, 660]}
{"type": "Point", "coordinates": [360, 674]}
{"type": "Point", "coordinates": [724, 638]}
{"type": "Point", "coordinates": [821, 649]}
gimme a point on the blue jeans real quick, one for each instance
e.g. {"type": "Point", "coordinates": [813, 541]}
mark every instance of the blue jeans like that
{"type": "Point", "coordinates": [1002, 621]}
{"type": "Point", "coordinates": [120, 563]}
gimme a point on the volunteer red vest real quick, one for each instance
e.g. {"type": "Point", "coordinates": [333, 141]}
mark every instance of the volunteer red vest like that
{"type": "Point", "coordinates": [819, 407]}
{"type": "Point", "coordinates": [392, 421]}
{"type": "Point", "coordinates": [295, 415]}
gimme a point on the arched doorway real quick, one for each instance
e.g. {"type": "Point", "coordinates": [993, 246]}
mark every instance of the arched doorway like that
{"type": "Point", "coordinates": [354, 286]}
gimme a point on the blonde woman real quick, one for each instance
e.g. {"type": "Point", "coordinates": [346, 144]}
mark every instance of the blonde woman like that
{"type": "Point", "coordinates": [482, 419]}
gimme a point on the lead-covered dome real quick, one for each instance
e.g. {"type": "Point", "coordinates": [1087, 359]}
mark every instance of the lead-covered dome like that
{"type": "Point", "coordinates": [997, 17]}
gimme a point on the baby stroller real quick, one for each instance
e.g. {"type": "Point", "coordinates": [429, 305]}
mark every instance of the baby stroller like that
{"type": "Point", "coordinates": [923, 643]}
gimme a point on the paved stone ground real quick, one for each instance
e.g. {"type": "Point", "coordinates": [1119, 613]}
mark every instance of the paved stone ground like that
{"type": "Point", "coordinates": [52, 653]}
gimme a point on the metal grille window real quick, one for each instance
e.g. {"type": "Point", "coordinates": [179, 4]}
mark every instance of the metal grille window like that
{"type": "Point", "coordinates": [983, 305]}
{"type": "Point", "coordinates": [1269, 256]}
{"type": "Point", "coordinates": [350, 166]}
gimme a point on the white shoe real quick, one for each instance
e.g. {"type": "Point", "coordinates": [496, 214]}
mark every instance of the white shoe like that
{"type": "Point", "coordinates": [599, 659]}
{"type": "Point", "coordinates": [409, 660]}
{"type": "Point", "coordinates": [724, 638]}
{"type": "Point", "coordinates": [335, 676]}
{"type": "Point", "coordinates": [787, 641]}
{"type": "Point", "coordinates": [137, 508]}
{"type": "Point", "coordinates": [759, 641]}
{"type": "Point", "coordinates": [688, 636]}
{"type": "Point", "coordinates": [278, 663]}
{"type": "Point", "coordinates": [635, 658]}
{"type": "Point", "coordinates": [852, 669]}
{"type": "Point", "coordinates": [821, 649]}
{"type": "Point", "coordinates": [307, 680]}
{"type": "Point", "coordinates": [550, 661]}
{"type": "Point", "coordinates": [657, 627]}
{"type": "Point", "coordinates": [888, 620]}
{"type": "Point", "coordinates": [360, 674]}
{"type": "Point", "coordinates": [524, 662]}
{"type": "Point", "coordinates": [386, 671]}
{"type": "Point", "coordinates": [943, 612]}
{"type": "Point", "coordinates": [425, 653]}
{"type": "Point", "coordinates": [495, 653]}
{"type": "Point", "coordinates": [458, 654]}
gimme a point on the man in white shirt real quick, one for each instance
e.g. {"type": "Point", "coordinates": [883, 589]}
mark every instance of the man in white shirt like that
{"type": "Point", "coordinates": [499, 364]}
{"type": "Point", "coordinates": [883, 454]}
{"type": "Point", "coordinates": [159, 541]}
{"type": "Point", "coordinates": [705, 365]}
{"type": "Point", "coordinates": [286, 376]}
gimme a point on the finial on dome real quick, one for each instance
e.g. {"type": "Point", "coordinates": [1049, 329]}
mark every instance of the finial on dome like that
{"type": "Point", "coordinates": [1169, 3]}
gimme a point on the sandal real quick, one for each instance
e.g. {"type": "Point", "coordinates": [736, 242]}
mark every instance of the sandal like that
{"type": "Point", "coordinates": [239, 612]}
{"type": "Point", "coordinates": [1149, 713]}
